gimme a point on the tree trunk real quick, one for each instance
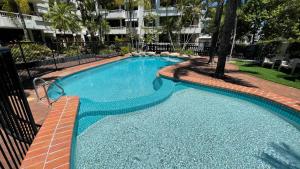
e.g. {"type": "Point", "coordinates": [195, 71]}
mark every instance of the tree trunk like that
{"type": "Point", "coordinates": [233, 39]}
{"type": "Point", "coordinates": [25, 30]}
{"type": "Point", "coordinates": [225, 37]}
{"type": "Point", "coordinates": [215, 36]}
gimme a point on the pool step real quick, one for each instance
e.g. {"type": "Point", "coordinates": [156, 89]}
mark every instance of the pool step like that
{"type": "Point", "coordinates": [91, 108]}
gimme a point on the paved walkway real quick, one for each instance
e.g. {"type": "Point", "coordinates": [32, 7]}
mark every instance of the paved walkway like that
{"type": "Point", "coordinates": [195, 69]}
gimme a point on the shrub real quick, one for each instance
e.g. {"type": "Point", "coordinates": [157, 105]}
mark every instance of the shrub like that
{"type": "Point", "coordinates": [71, 52]}
{"type": "Point", "coordinates": [31, 51]}
{"type": "Point", "coordinates": [107, 51]}
{"type": "Point", "coordinates": [124, 50]}
{"type": "Point", "coordinates": [294, 50]}
{"type": "Point", "coordinates": [187, 52]}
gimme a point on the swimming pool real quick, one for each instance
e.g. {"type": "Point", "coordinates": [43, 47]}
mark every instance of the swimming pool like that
{"type": "Point", "coordinates": [129, 118]}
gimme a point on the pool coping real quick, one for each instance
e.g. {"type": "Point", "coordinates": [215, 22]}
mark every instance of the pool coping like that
{"type": "Point", "coordinates": [168, 72]}
{"type": "Point", "coordinates": [52, 146]}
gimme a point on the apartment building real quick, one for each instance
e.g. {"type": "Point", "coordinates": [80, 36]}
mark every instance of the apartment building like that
{"type": "Point", "coordinates": [38, 29]}
{"type": "Point", "coordinates": [117, 17]}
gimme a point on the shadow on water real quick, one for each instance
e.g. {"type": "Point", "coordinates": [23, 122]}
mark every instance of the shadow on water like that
{"type": "Point", "coordinates": [282, 156]}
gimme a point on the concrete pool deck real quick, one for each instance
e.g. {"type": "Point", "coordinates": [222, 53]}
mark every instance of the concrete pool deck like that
{"type": "Point", "coordinates": [59, 128]}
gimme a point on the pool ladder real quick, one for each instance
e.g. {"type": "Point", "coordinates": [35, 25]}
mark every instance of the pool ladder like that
{"type": "Point", "coordinates": [45, 84]}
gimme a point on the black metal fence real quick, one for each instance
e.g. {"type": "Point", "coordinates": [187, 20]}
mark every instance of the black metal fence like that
{"type": "Point", "coordinates": [198, 49]}
{"type": "Point", "coordinates": [17, 126]}
{"type": "Point", "coordinates": [33, 59]}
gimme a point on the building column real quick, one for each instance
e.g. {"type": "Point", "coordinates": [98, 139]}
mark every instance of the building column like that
{"type": "Point", "coordinates": [30, 35]}
{"type": "Point", "coordinates": [43, 36]}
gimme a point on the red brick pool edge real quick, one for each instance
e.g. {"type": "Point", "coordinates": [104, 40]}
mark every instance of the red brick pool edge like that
{"type": "Point", "coordinates": [52, 146]}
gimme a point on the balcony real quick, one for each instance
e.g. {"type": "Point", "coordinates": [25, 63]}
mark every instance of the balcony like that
{"type": "Point", "coordinates": [168, 11]}
{"type": "Point", "coordinates": [117, 30]}
{"type": "Point", "coordinates": [115, 14]}
{"type": "Point", "coordinates": [134, 16]}
{"type": "Point", "coordinates": [191, 29]}
{"type": "Point", "coordinates": [12, 20]}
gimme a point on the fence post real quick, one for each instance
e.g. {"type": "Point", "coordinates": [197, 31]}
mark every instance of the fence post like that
{"type": "Point", "coordinates": [24, 59]}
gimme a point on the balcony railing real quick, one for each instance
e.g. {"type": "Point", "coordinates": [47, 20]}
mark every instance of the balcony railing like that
{"type": "Point", "coordinates": [118, 27]}
{"type": "Point", "coordinates": [15, 15]}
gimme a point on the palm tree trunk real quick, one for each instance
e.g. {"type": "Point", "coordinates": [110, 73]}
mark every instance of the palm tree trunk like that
{"type": "Point", "coordinates": [25, 30]}
{"type": "Point", "coordinates": [226, 35]}
{"type": "Point", "coordinates": [215, 36]}
{"type": "Point", "coordinates": [233, 39]}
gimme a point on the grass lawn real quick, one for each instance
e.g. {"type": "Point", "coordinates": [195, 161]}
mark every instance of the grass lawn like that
{"type": "Point", "coordinates": [269, 74]}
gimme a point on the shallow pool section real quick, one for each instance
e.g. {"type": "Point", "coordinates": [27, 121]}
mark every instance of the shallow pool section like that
{"type": "Point", "coordinates": [122, 80]}
{"type": "Point", "coordinates": [197, 127]}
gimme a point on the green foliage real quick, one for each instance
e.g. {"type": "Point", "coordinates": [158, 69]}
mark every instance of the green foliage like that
{"type": "Point", "coordinates": [280, 47]}
{"type": "Point", "coordinates": [294, 49]}
{"type": "Point", "coordinates": [11, 6]}
{"type": "Point", "coordinates": [32, 52]}
{"type": "Point", "coordinates": [149, 38]}
{"type": "Point", "coordinates": [62, 16]}
{"type": "Point", "coordinates": [71, 51]}
{"type": "Point", "coordinates": [104, 26]}
{"type": "Point", "coordinates": [270, 19]}
{"type": "Point", "coordinates": [117, 39]}
{"type": "Point", "coordinates": [107, 51]}
{"type": "Point", "coordinates": [187, 52]}
{"type": "Point", "coordinates": [124, 50]}
{"type": "Point", "coordinates": [269, 74]}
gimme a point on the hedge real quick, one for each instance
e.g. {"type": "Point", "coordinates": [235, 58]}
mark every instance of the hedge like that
{"type": "Point", "coordinates": [269, 48]}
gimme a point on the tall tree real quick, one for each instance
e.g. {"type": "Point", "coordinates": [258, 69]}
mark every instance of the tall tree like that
{"type": "Point", "coordinates": [216, 30]}
{"type": "Point", "coordinates": [226, 36]}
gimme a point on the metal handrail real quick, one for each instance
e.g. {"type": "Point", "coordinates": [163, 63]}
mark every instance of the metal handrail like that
{"type": "Point", "coordinates": [44, 84]}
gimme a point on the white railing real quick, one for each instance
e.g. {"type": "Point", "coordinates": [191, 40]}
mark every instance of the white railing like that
{"type": "Point", "coordinates": [116, 10]}
{"type": "Point", "coordinates": [16, 15]}
{"type": "Point", "coordinates": [118, 27]}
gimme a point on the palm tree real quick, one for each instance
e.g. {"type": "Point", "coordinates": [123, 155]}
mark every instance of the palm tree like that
{"type": "Point", "coordinates": [22, 6]}
{"type": "Point", "coordinates": [62, 17]}
{"type": "Point", "coordinates": [225, 36]}
{"type": "Point", "coordinates": [216, 27]}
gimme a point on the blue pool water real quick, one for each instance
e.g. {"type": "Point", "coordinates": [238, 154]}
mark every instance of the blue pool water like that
{"type": "Point", "coordinates": [158, 123]}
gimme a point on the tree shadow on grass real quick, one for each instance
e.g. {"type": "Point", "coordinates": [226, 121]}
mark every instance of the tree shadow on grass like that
{"type": "Point", "coordinates": [281, 157]}
{"type": "Point", "coordinates": [289, 77]}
